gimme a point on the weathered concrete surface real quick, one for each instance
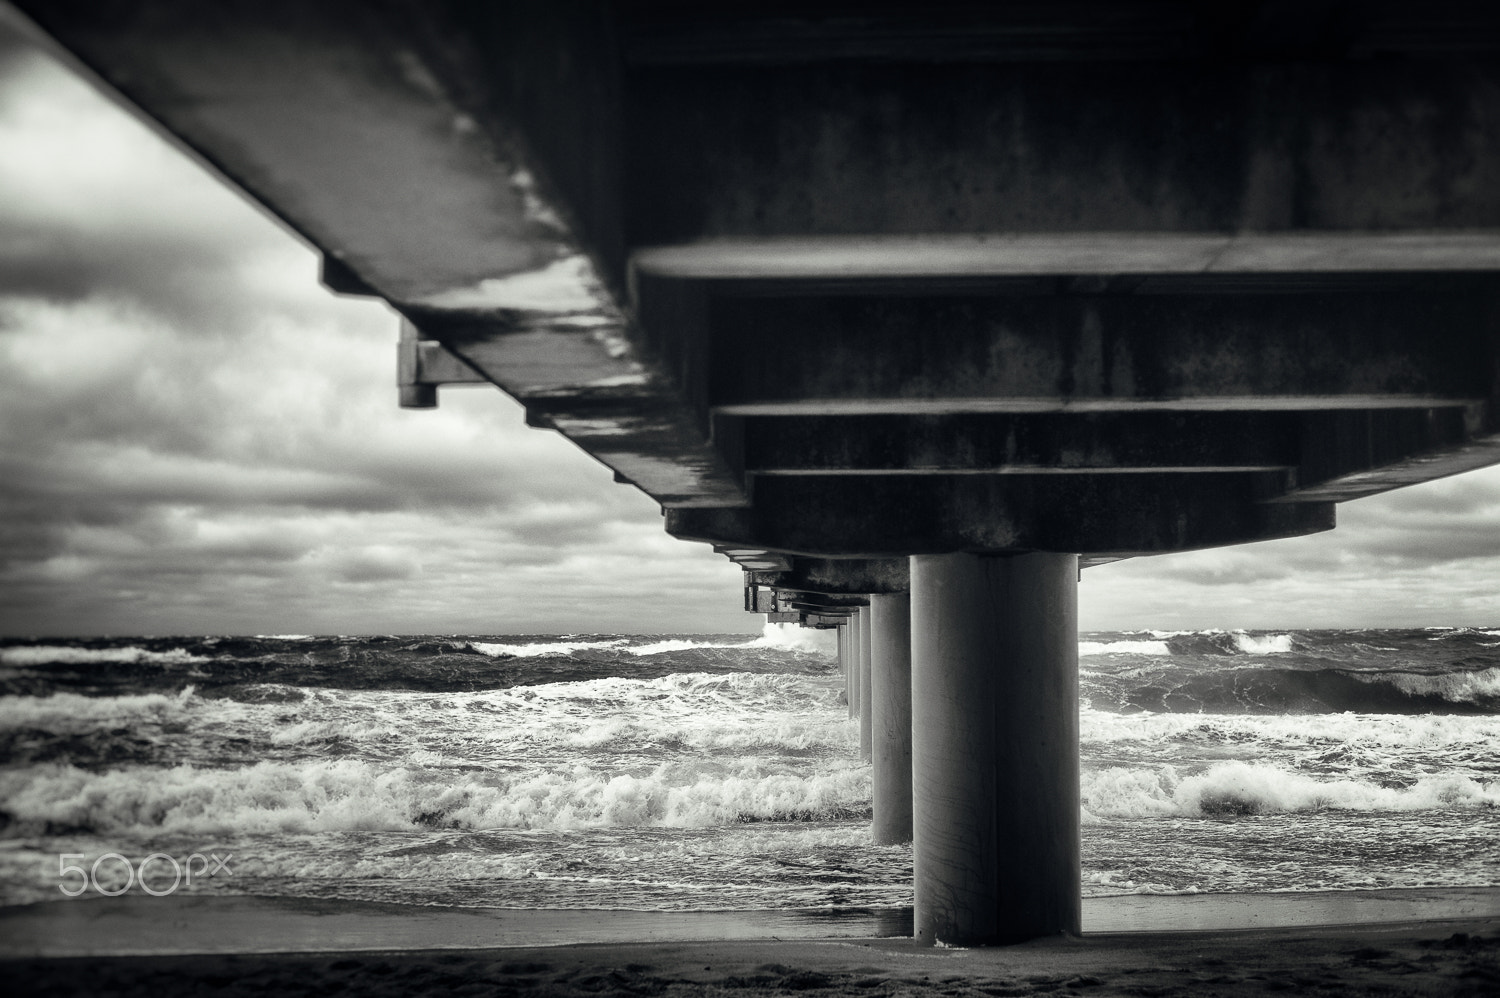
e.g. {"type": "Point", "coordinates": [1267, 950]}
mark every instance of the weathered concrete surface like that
{"type": "Point", "coordinates": [870, 516]}
{"type": "Point", "coordinates": [1346, 350]}
{"type": "Point", "coordinates": [1348, 455]}
{"type": "Point", "coordinates": [890, 745]}
{"type": "Point", "coordinates": [846, 644]}
{"type": "Point", "coordinates": [866, 683]}
{"type": "Point", "coordinates": [856, 668]}
{"type": "Point", "coordinates": [1036, 441]}
{"type": "Point", "coordinates": [423, 365]}
{"type": "Point", "coordinates": [843, 575]}
{"type": "Point", "coordinates": [995, 747]}
{"type": "Point", "coordinates": [1193, 147]}
{"type": "Point", "coordinates": [1147, 260]}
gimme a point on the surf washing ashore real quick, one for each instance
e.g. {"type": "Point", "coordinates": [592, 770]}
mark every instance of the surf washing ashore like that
{"type": "Point", "coordinates": [677, 774]}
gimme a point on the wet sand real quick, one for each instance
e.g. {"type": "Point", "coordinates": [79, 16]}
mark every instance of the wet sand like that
{"type": "Point", "coordinates": [183, 924]}
{"type": "Point", "coordinates": [1431, 958]}
{"type": "Point", "coordinates": [339, 947]}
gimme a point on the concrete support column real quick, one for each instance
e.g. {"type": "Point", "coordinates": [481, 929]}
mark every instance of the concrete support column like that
{"type": "Point", "coordinates": [853, 629]}
{"type": "Point", "coordinates": [841, 631]}
{"type": "Point", "coordinates": [890, 695]}
{"type": "Point", "coordinates": [866, 709]}
{"type": "Point", "coordinates": [995, 747]}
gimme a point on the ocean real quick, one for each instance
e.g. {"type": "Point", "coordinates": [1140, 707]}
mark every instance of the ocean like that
{"type": "Point", "coordinates": [682, 773]}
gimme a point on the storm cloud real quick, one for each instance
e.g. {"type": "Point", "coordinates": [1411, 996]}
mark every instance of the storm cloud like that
{"type": "Point", "coordinates": [196, 437]}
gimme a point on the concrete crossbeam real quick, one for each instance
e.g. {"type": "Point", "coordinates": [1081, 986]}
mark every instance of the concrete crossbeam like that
{"type": "Point", "coordinates": [1349, 455]}
{"type": "Point", "coordinates": [1187, 147]}
{"type": "Point", "coordinates": [875, 517]}
{"type": "Point", "coordinates": [1048, 351]}
{"type": "Point", "coordinates": [824, 601]}
{"type": "Point", "coordinates": [1064, 442]}
{"type": "Point", "coordinates": [849, 576]}
{"type": "Point", "coordinates": [1131, 31]}
{"type": "Point", "coordinates": [1147, 257]}
{"type": "Point", "coordinates": [1337, 455]}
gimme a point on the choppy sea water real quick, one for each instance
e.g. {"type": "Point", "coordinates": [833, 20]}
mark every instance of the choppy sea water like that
{"type": "Point", "coordinates": [689, 773]}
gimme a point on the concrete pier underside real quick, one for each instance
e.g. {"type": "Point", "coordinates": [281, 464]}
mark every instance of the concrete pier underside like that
{"type": "Point", "coordinates": [887, 298]}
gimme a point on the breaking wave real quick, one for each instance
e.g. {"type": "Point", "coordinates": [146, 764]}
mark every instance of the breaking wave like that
{"type": "Point", "coordinates": [1189, 688]}
{"type": "Point", "coordinates": [774, 637]}
{"type": "Point", "coordinates": [1240, 788]}
{"type": "Point", "coordinates": [33, 655]}
{"type": "Point", "coordinates": [1185, 643]}
{"type": "Point", "coordinates": [66, 711]}
{"type": "Point", "coordinates": [1127, 647]}
{"type": "Point", "coordinates": [1480, 686]}
{"type": "Point", "coordinates": [542, 649]}
{"type": "Point", "coordinates": [353, 795]}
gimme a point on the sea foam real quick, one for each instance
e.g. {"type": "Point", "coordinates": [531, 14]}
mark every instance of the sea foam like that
{"type": "Point", "coordinates": [1126, 647]}
{"type": "Point", "coordinates": [1264, 644]}
{"type": "Point", "coordinates": [1241, 788]}
{"type": "Point", "coordinates": [61, 655]}
{"type": "Point", "coordinates": [353, 795]}
{"type": "Point", "coordinates": [541, 649]}
{"type": "Point", "coordinates": [72, 712]}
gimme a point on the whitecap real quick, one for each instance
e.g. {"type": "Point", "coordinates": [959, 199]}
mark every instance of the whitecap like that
{"type": "Point", "coordinates": [74, 712]}
{"type": "Point", "coordinates": [352, 795]}
{"type": "Point", "coordinates": [1242, 788]}
{"type": "Point", "coordinates": [541, 649]}
{"type": "Point", "coordinates": [63, 655]}
{"type": "Point", "coordinates": [1263, 644]}
{"type": "Point", "coordinates": [1456, 687]}
{"type": "Point", "coordinates": [1127, 647]}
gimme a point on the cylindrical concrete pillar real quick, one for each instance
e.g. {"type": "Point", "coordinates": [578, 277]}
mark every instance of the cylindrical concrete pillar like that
{"type": "Point", "coordinates": [866, 688]}
{"type": "Point", "coordinates": [853, 629]}
{"type": "Point", "coordinates": [890, 695]}
{"type": "Point", "coordinates": [843, 659]}
{"type": "Point", "coordinates": [995, 746]}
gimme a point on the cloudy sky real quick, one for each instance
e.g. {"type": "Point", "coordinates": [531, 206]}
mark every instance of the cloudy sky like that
{"type": "Point", "coordinates": [195, 437]}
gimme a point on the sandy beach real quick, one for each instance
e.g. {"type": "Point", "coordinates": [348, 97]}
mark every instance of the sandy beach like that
{"type": "Point", "coordinates": [131, 946]}
{"type": "Point", "coordinates": [1451, 958]}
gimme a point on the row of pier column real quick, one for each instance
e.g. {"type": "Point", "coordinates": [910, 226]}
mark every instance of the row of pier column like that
{"type": "Point", "coordinates": [966, 693]}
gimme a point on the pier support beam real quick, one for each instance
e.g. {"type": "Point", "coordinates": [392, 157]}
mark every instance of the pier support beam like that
{"type": "Point", "coordinates": [866, 688]}
{"type": "Point", "coordinates": [995, 747]}
{"type": "Point", "coordinates": [890, 692]}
